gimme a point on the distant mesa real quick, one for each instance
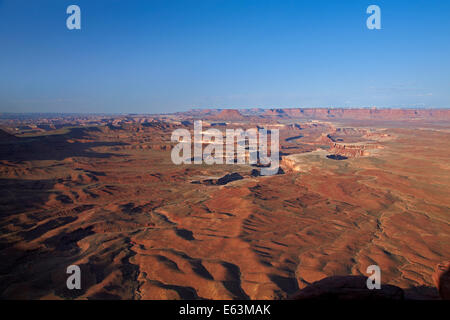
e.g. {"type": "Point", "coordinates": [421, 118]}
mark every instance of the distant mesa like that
{"type": "Point", "coordinates": [325, 113]}
{"type": "Point", "coordinates": [275, 112]}
{"type": "Point", "coordinates": [228, 114]}
{"type": "Point", "coordinates": [205, 111]}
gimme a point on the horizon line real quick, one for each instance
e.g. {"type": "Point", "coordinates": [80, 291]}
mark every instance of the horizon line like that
{"type": "Point", "coordinates": [222, 108]}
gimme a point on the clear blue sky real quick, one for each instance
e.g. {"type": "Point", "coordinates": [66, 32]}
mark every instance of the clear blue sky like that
{"type": "Point", "coordinates": [163, 56]}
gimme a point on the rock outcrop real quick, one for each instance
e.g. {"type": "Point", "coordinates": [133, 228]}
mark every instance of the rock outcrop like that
{"type": "Point", "coordinates": [369, 114]}
{"type": "Point", "coordinates": [441, 279]}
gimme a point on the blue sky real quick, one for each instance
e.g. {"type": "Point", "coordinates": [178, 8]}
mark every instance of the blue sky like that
{"type": "Point", "coordinates": [158, 56]}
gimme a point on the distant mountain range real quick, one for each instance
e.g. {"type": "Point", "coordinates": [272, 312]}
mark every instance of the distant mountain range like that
{"type": "Point", "coordinates": [323, 113]}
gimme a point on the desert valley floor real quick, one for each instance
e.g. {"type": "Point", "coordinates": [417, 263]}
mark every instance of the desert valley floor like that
{"type": "Point", "coordinates": [103, 193]}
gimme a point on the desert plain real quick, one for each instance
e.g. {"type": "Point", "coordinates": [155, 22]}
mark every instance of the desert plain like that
{"type": "Point", "coordinates": [356, 188]}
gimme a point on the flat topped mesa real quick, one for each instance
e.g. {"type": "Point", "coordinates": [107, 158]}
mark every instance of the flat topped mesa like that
{"type": "Point", "coordinates": [275, 112]}
{"type": "Point", "coordinates": [392, 114]}
{"type": "Point", "coordinates": [228, 114]}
